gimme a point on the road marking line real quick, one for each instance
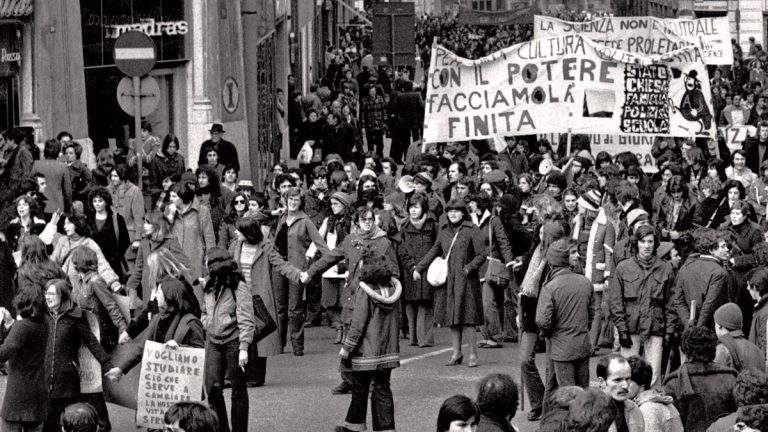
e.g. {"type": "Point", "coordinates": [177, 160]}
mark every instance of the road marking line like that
{"type": "Point", "coordinates": [427, 355]}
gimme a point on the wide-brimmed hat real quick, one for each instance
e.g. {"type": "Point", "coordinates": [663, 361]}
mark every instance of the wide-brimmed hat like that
{"type": "Point", "coordinates": [217, 127]}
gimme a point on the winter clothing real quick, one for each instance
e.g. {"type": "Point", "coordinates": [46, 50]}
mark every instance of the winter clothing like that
{"type": "Point", "coordinates": [702, 393]}
{"type": "Point", "coordinates": [228, 316]}
{"type": "Point", "coordinates": [58, 191]}
{"type": "Point", "coordinates": [163, 166]}
{"type": "Point", "coordinates": [128, 202]}
{"type": "Point", "coordinates": [702, 278]}
{"type": "Point", "coordinates": [91, 293]}
{"type": "Point", "coordinates": [139, 277]}
{"type": "Point", "coordinates": [372, 339]}
{"type": "Point", "coordinates": [186, 330]}
{"type": "Point", "coordinates": [736, 352]}
{"type": "Point", "coordinates": [641, 300]}
{"type": "Point", "coordinates": [15, 231]}
{"type": "Point", "coordinates": [26, 393]}
{"type": "Point", "coordinates": [659, 413]}
{"type": "Point", "coordinates": [564, 313]}
{"type": "Point", "coordinates": [463, 304]}
{"type": "Point", "coordinates": [62, 256]}
{"type": "Point", "coordinates": [726, 423]}
{"type": "Point", "coordinates": [265, 260]}
{"type": "Point", "coordinates": [111, 246]}
{"type": "Point", "coordinates": [633, 416]}
{"type": "Point", "coordinates": [416, 239]}
{"type": "Point", "coordinates": [671, 219]}
{"type": "Point", "coordinates": [759, 321]}
{"type": "Point", "coordinates": [194, 231]}
{"type": "Point", "coordinates": [67, 330]}
{"type": "Point", "coordinates": [729, 316]}
{"type": "Point", "coordinates": [596, 248]}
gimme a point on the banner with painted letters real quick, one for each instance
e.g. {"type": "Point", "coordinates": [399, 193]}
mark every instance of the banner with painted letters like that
{"type": "Point", "coordinates": [614, 144]}
{"type": "Point", "coordinates": [648, 35]}
{"type": "Point", "coordinates": [568, 83]}
{"type": "Point", "coordinates": [519, 14]}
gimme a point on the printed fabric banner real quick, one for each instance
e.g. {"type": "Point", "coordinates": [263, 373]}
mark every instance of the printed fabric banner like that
{"type": "Point", "coordinates": [167, 376]}
{"type": "Point", "coordinates": [90, 369]}
{"type": "Point", "coordinates": [648, 35]}
{"type": "Point", "coordinates": [564, 84]}
{"type": "Point", "coordinates": [519, 13]}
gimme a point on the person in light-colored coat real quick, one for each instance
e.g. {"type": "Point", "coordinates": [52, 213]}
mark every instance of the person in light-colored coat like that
{"type": "Point", "coordinates": [191, 224]}
{"type": "Point", "coordinates": [659, 412]}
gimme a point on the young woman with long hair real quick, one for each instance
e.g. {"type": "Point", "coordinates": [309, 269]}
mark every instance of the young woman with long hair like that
{"type": "Point", "coordinates": [109, 230]}
{"type": "Point", "coordinates": [229, 324]}
{"type": "Point", "coordinates": [36, 267]}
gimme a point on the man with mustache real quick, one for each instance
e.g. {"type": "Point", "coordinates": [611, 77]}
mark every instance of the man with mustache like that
{"type": "Point", "coordinates": [614, 374]}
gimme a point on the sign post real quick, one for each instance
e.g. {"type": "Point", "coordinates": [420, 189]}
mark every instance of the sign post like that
{"type": "Point", "coordinates": [135, 55]}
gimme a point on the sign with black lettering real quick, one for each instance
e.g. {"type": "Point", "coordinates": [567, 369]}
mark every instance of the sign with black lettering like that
{"type": "Point", "coordinates": [648, 35]}
{"type": "Point", "coordinates": [167, 376]}
{"type": "Point", "coordinates": [567, 83]}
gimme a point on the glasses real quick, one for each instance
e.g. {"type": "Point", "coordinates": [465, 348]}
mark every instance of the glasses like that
{"type": "Point", "coordinates": [367, 220]}
{"type": "Point", "coordinates": [239, 201]}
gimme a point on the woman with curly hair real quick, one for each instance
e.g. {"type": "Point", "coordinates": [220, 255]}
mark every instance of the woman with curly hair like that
{"type": "Point", "coordinates": [28, 221]}
{"type": "Point", "coordinates": [78, 233]}
{"type": "Point", "coordinates": [110, 230]}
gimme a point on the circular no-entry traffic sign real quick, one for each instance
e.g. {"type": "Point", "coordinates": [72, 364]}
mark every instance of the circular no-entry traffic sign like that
{"type": "Point", "coordinates": [134, 53]}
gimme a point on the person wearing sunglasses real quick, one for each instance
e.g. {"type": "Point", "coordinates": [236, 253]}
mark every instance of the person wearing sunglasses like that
{"type": "Point", "coordinates": [238, 207]}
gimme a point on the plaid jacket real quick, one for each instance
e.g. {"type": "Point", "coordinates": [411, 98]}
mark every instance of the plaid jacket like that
{"type": "Point", "coordinates": [373, 113]}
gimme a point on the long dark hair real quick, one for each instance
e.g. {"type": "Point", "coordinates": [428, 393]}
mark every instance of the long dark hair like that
{"type": "Point", "coordinates": [223, 271]}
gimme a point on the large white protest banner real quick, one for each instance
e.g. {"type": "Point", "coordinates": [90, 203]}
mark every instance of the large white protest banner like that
{"type": "Point", "coordinates": [648, 35]}
{"type": "Point", "coordinates": [167, 376]}
{"type": "Point", "coordinates": [566, 84]}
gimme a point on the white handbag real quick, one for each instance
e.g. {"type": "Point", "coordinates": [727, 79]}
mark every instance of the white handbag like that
{"type": "Point", "coordinates": [437, 273]}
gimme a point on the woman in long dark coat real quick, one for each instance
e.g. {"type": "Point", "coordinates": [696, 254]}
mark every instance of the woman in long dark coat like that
{"type": "Point", "coordinates": [113, 240]}
{"type": "Point", "coordinates": [24, 342]}
{"type": "Point", "coordinates": [418, 234]}
{"type": "Point", "coordinates": [464, 306]}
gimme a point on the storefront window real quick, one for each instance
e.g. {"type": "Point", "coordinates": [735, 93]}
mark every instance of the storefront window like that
{"type": "Point", "coordinates": [104, 21]}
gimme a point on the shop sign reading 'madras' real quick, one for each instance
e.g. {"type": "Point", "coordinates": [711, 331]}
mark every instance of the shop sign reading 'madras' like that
{"type": "Point", "coordinates": [150, 27]}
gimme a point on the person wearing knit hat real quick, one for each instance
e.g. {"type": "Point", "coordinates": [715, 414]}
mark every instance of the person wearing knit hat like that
{"type": "Point", "coordinates": [343, 198]}
{"type": "Point", "coordinates": [733, 349]}
{"type": "Point", "coordinates": [591, 199]}
{"type": "Point", "coordinates": [563, 314]}
{"type": "Point", "coordinates": [635, 216]}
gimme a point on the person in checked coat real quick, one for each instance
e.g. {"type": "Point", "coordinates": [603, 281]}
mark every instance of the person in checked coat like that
{"type": "Point", "coordinates": [563, 315]}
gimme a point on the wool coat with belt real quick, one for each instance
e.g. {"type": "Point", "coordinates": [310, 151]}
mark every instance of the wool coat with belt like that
{"type": "Point", "coordinates": [23, 349]}
{"type": "Point", "coordinates": [597, 247]}
{"type": "Point", "coordinates": [564, 313]}
{"type": "Point", "coordinates": [640, 298]}
{"type": "Point", "coordinates": [463, 302]}
{"type": "Point", "coordinates": [69, 329]}
{"type": "Point", "coordinates": [416, 241]}
{"type": "Point", "coordinates": [194, 231]}
{"type": "Point", "coordinates": [265, 260]}
{"type": "Point", "coordinates": [351, 251]}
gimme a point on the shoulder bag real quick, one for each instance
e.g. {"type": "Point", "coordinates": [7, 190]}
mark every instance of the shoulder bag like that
{"type": "Point", "coordinates": [496, 271]}
{"type": "Point", "coordinates": [437, 273]}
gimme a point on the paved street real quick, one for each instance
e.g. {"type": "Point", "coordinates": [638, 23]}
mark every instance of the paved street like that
{"type": "Point", "coordinates": [297, 395]}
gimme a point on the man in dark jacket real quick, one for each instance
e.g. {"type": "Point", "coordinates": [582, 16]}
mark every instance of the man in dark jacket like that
{"type": "Point", "coordinates": [750, 392]}
{"type": "Point", "coordinates": [702, 389]}
{"type": "Point", "coordinates": [514, 156]}
{"type": "Point", "coordinates": [734, 350]}
{"type": "Point", "coordinates": [563, 315]}
{"type": "Point", "coordinates": [701, 281]}
{"type": "Point", "coordinates": [757, 147]}
{"type": "Point", "coordinates": [227, 151]}
{"type": "Point", "coordinates": [339, 137]}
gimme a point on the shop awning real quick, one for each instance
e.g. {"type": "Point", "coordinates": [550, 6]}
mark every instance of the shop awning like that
{"type": "Point", "coordinates": [16, 8]}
